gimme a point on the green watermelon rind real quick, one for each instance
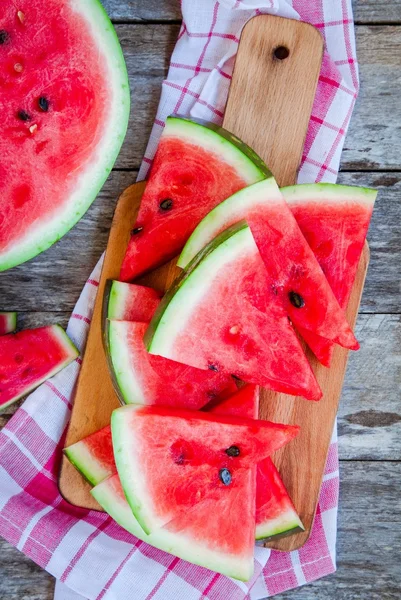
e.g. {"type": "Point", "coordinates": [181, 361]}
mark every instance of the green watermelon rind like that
{"type": "Point", "coordinates": [286, 524]}
{"type": "Point", "coordinates": [326, 192]}
{"type": "Point", "coordinates": [168, 321]}
{"type": "Point", "coordinates": [89, 467]}
{"type": "Point", "coordinates": [219, 141]}
{"type": "Point", "coordinates": [73, 353]}
{"type": "Point", "coordinates": [91, 182]}
{"type": "Point", "coordinates": [163, 539]}
{"type": "Point", "coordinates": [117, 295]}
{"type": "Point", "coordinates": [224, 215]}
{"type": "Point", "coordinates": [11, 320]}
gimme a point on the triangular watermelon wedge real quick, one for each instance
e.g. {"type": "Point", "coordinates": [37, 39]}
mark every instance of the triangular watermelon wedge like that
{"type": "Point", "coordinates": [334, 220]}
{"type": "Point", "coordinates": [221, 315]}
{"type": "Point", "coordinates": [169, 460]}
{"type": "Point", "coordinates": [275, 512]}
{"type": "Point", "coordinates": [293, 272]}
{"type": "Point", "coordinates": [197, 165]}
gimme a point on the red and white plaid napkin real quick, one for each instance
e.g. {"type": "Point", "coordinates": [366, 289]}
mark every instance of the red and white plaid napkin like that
{"type": "Point", "coordinates": [86, 550]}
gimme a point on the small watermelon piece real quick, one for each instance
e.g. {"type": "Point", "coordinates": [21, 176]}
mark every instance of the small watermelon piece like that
{"type": "Point", "coordinates": [30, 357]}
{"type": "Point", "coordinates": [293, 272]}
{"type": "Point", "coordinates": [218, 537]}
{"type": "Point", "coordinates": [93, 456]}
{"type": "Point", "coordinates": [140, 378]}
{"type": "Point", "coordinates": [221, 314]}
{"type": "Point", "coordinates": [334, 220]}
{"type": "Point", "coordinates": [168, 460]}
{"type": "Point", "coordinates": [64, 103]}
{"type": "Point", "coordinates": [130, 302]}
{"type": "Point", "coordinates": [8, 322]}
{"type": "Point", "coordinates": [197, 165]}
{"type": "Point", "coordinates": [275, 513]}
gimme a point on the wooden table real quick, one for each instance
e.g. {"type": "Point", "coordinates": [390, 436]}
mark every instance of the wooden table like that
{"type": "Point", "coordinates": [45, 291]}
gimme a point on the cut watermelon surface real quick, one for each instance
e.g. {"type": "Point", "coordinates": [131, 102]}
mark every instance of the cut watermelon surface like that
{"type": "Point", "coordinates": [8, 322]}
{"type": "Point", "coordinates": [30, 357]}
{"type": "Point", "coordinates": [197, 165]}
{"type": "Point", "coordinates": [293, 273]}
{"type": "Point", "coordinates": [195, 456]}
{"type": "Point", "coordinates": [130, 302]}
{"type": "Point", "coordinates": [93, 456]}
{"type": "Point", "coordinates": [222, 315]}
{"type": "Point", "coordinates": [64, 102]}
{"type": "Point", "coordinates": [334, 220]}
{"type": "Point", "coordinates": [140, 378]}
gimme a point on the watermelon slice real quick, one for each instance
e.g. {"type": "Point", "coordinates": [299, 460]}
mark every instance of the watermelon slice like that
{"type": "Point", "coordinates": [130, 302]}
{"type": "Point", "coordinates": [275, 512]}
{"type": "Point", "coordinates": [140, 378]}
{"type": "Point", "coordinates": [221, 540]}
{"type": "Point", "coordinates": [197, 165]}
{"type": "Point", "coordinates": [222, 315]}
{"type": "Point", "coordinates": [93, 456]}
{"type": "Point", "coordinates": [64, 103]}
{"type": "Point", "coordinates": [30, 357]}
{"type": "Point", "coordinates": [334, 220]}
{"type": "Point", "coordinates": [8, 322]}
{"type": "Point", "coordinates": [168, 460]}
{"type": "Point", "coordinates": [293, 273]}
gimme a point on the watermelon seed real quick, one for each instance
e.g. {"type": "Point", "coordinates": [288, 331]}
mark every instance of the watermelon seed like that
{"type": "Point", "coordinates": [225, 476]}
{"type": "Point", "coordinates": [213, 368]}
{"type": "Point", "coordinates": [33, 129]}
{"type": "Point", "coordinates": [136, 230]}
{"type": "Point", "coordinates": [21, 16]}
{"type": "Point", "coordinates": [234, 330]}
{"type": "Point", "coordinates": [18, 68]}
{"type": "Point", "coordinates": [23, 115]}
{"type": "Point", "coordinates": [233, 451]}
{"type": "Point", "coordinates": [4, 37]}
{"type": "Point", "coordinates": [296, 300]}
{"type": "Point", "coordinates": [166, 204]}
{"type": "Point", "coordinates": [43, 103]}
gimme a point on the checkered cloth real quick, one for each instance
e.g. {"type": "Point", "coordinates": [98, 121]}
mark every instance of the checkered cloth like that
{"type": "Point", "coordinates": [86, 550]}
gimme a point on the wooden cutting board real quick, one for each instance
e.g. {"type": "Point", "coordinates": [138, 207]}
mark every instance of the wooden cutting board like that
{"type": "Point", "coordinates": [269, 106]}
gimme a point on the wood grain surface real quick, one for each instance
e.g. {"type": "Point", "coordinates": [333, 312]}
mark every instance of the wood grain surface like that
{"type": "Point", "coordinates": [45, 291]}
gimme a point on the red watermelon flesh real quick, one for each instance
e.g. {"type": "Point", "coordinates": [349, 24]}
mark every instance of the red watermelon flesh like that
{"type": "Point", "coordinates": [221, 315]}
{"type": "Point", "coordinates": [334, 220]}
{"type": "Point", "coordinates": [196, 167]}
{"type": "Point", "coordinates": [275, 512]}
{"type": "Point", "coordinates": [141, 378]}
{"type": "Point", "coordinates": [130, 302]}
{"type": "Point", "coordinates": [168, 460]}
{"type": "Point", "coordinates": [64, 104]}
{"type": "Point", "coordinates": [93, 456]}
{"type": "Point", "coordinates": [30, 357]}
{"type": "Point", "coordinates": [8, 322]}
{"type": "Point", "coordinates": [293, 273]}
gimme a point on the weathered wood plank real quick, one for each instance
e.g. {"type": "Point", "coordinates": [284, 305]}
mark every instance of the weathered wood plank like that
{"type": "Point", "coordinates": [365, 11]}
{"type": "Point", "coordinates": [369, 542]}
{"type": "Point", "coordinates": [53, 280]}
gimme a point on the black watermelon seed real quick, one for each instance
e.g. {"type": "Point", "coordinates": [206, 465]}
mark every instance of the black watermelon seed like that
{"type": "Point", "coordinates": [166, 204]}
{"type": "Point", "coordinates": [4, 36]}
{"type": "Point", "coordinates": [23, 115]}
{"type": "Point", "coordinates": [296, 300]}
{"type": "Point", "coordinates": [213, 368]}
{"type": "Point", "coordinates": [180, 459]}
{"type": "Point", "coordinates": [235, 377]}
{"type": "Point", "coordinates": [225, 476]}
{"type": "Point", "coordinates": [233, 451]}
{"type": "Point", "coordinates": [136, 230]}
{"type": "Point", "coordinates": [43, 103]}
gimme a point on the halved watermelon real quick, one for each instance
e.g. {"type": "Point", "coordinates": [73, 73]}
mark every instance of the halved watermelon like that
{"type": "Point", "coordinates": [130, 302]}
{"type": "Point", "coordinates": [222, 315]}
{"type": "Point", "coordinates": [275, 512]}
{"type": "Point", "coordinates": [140, 378]}
{"type": "Point", "coordinates": [197, 165]}
{"type": "Point", "coordinates": [168, 460]}
{"type": "Point", "coordinates": [64, 103]}
{"type": "Point", "coordinates": [8, 322]}
{"type": "Point", "coordinates": [293, 273]}
{"type": "Point", "coordinates": [334, 220]}
{"type": "Point", "coordinates": [93, 456]}
{"type": "Point", "coordinates": [30, 357]}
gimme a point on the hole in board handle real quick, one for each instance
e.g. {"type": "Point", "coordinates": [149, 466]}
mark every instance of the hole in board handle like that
{"type": "Point", "coordinates": [281, 53]}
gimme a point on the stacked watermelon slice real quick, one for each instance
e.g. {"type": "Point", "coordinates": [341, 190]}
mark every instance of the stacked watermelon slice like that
{"type": "Point", "coordinates": [185, 464]}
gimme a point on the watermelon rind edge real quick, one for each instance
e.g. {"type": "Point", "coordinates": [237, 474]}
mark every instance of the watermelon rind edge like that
{"type": "Point", "coordinates": [11, 320]}
{"type": "Point", "coordinates": [286, 524]}
{"type": "Point", "coordinates": [329, 191]}
{"type": "Point", "coordinates": [92, 181]}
